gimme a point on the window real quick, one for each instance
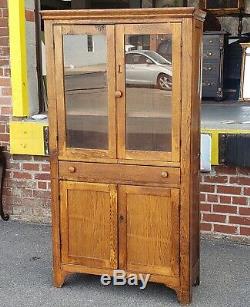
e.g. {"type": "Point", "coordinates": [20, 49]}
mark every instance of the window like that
{"type": "Point", "coordinates": [90, 43]}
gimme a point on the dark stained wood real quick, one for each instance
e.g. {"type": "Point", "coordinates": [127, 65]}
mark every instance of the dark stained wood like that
{"type": "Point", "coordinates": [119, 208]}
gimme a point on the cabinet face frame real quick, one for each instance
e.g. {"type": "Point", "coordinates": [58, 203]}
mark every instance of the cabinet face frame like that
{"type": "Point", "coordinates": [173, 29]}
{"type": "Point", "coordinates": [65, 152]}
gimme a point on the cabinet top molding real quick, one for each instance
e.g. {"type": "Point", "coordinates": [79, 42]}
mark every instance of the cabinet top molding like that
{"type": "Point", "coordinates": [124, 15]}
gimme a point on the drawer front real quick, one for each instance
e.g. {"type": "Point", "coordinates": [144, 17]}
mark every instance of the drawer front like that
{"type": "Point", "coordinates": [211, 54]}
{"type": "Point", "coordinates": [213, 41]}
{"type": "Point", "coordinates": [210, 70]}
{"type": "Point", "coordinates": [119, 173]}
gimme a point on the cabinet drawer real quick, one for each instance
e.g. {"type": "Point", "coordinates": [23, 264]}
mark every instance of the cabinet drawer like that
{"type": "Point", "coordinates": [119, 173]}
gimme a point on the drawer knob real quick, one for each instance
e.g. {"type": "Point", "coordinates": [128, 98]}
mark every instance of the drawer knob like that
{"type": "Point", "coordinates": [164, 174]}
{"type": "Point", "coordinates": [210, 53]}
{"type": "Point", "coordinates": [72, 169]}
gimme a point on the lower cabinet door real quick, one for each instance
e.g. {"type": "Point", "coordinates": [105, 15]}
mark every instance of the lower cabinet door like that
{"type": "Point", "coordinates": [149, 230]}
{"type": "Point", "coordinates": [89, 224]}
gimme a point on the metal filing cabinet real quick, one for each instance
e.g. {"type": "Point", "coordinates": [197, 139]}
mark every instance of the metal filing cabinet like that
{"type": "Point", "coordinates": [213, 62]}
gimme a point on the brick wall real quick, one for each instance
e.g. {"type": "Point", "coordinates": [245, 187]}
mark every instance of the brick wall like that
{"type": "Point", "coordinates": [225, 192]}
{"type": "Point", "coordinates": [26, 193]}
{"type": "Point", "coordinates": [225, 201]}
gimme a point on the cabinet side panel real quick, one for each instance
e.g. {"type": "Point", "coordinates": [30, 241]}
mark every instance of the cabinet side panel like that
{"type": "Point", "coordinates": [57, 273]}
{"type": "Point", "coordinates": [195, 149]}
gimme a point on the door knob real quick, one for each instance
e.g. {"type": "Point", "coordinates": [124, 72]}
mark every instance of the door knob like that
{"type": "Point", "coordinates": [118, 94]}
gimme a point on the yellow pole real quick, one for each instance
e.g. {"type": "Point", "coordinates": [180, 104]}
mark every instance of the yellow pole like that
{"type": "Point", "coordinates": [18, 57]}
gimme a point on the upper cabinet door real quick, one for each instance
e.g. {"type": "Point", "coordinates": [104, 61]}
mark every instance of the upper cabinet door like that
{"type": "Point", "coordinates": [148, 79]}
{"type": "Point", "coordinates": [85, 81]}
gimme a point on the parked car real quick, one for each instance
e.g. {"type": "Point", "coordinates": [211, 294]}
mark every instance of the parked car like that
{"type": "Point", "coordinates": [147, 67]}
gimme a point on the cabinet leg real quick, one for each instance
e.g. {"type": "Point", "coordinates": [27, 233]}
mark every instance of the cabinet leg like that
{"type": "Point", "coordinates": [58, 278]}
{"type": "Point", "coordinates": [184, 297]}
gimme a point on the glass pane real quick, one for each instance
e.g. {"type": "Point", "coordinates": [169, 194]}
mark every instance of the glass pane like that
{"type": "Point", "coordinates": [148, 92]}
{"type": "Point", "coordinates": [86, 92]}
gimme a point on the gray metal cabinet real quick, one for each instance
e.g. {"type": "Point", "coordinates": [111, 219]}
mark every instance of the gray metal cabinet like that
{"type": "Point", "coordinates": [213, 62]}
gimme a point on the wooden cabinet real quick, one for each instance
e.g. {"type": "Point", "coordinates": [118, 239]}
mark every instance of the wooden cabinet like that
{"type": "Point", "coordinates": [124, 142]}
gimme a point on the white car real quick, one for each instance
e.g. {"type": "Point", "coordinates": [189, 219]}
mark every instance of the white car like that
{"type": "Point", "coordinates": [147, 67]}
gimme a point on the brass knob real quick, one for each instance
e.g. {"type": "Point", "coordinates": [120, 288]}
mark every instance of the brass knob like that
{"type": "Point", "coordinates": [210, 53]}
{"type": "Point", "coordinates": [210, 68]}
{"type": "Point", "coordinates": [164, 174]}
{"type": "Point", "coordinates": [118, 94]}
{"type": "Point", "coordinates": [72, 169]}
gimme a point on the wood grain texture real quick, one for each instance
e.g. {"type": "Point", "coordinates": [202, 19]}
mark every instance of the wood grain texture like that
{"type": "Point", "coordinates": [124, 15]}
{"type": "Point", "coordinates": [88, 224]}
{"type": "Point", "coordinates": [152, 229]}
{"type": "Point", "coordinates": [117, 173]}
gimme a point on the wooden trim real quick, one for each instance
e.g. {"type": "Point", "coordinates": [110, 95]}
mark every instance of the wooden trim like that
{"type": "Point", "coordinates": [124, 14]}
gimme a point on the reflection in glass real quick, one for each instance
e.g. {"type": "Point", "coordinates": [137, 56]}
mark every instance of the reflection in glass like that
{"type": "Point", "coordinates": [148, 92]}
{"type": "Point", "coordinates": [86, 102]}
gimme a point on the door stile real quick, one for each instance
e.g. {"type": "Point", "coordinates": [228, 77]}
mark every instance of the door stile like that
{"type": "Point", "coordinates": [120, 86]}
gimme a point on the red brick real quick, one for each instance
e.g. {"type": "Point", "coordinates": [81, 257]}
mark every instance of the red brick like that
{"type": "Point", "coordinates": [207, 188]}
{"type": "Point", "coordinates": [4, 41]}
{"type": "Point", "coordinates": [240, 180]}
{"type": "Point", "coordinates": [224, 209]}
{"type": "Point", "coordinates": [43, 176]}
{"type": "Point", "coordinates": [244, 211]}
{"type": "Point", "coordinates": [42, 185]}
{"type": "Point", "coordinates": [205, 227]}
{"type": "Point", "coordinates": [45, 167]}
{"type": "Point", "coordinates": [214, 218]}
{"type": "Point", "coordinates": [245, 231]}
{"type": "Point", "coordinates": [240, 220]}
{"type": "Point", "coordinates": [239, 201]}
{"type": "Point", "coordinates": [4, 137]}
{"type": "Point", "coordinates": [2, 128]}
{"type": "Point", "coordinates": [4, 31]}
{"type": "Point", "coordinates": [247, 191]}
{"type": "Point", "coordinates": [3, 3]}
{"type": "Point", "coordinates": [31, 166]}
{"type": "Point", "coordinates": [4, 81]}
{"type": "Point", "coordinates": [205, 207]}
{"type": "Point", "coordinates": [212, 198]}
{"type": "Point", "coordinates": [3, 22]}
{"type": "Point", "coordinates": [225, 170]}
{"type": "Point", "coordinates": [6, 91]}
{"type": "Point", "coordinates": [30, 15]}
{"type": "Point", "coordinates": [202, 197]}
{"type": "Point", "coordinates": [229, 190]}
{"type": "Point", "coordinates": [5, 101]}
{"type": "Point", "coordinates": [225, 199]}
{"type": "Point", "coordinates": [6, 110]}
{"type": "Point", "coordinates": [21, 175]}
{"type": "Point", "coordinates": [216, 179]}
{"type": "Point", "coordinates": [4, 12]}
{"type": "Point", "coordinates": [227, 229]}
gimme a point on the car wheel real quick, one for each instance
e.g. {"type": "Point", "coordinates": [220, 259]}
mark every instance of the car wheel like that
{"type": "Point", "coordinates": [164, 82]}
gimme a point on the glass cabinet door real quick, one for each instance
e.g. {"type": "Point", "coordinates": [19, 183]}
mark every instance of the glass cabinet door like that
{"type": "Point", "coordinates": [148, 77]}
{"type": "Point", "coordinates": [85, 78]}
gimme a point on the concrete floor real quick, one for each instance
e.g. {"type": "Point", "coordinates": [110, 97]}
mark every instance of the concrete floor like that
{"type": "Point", "coordinates": [25, 276]}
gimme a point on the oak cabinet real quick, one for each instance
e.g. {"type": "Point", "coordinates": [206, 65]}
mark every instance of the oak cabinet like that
{"type": "Point", "coordinates": [124, 142]}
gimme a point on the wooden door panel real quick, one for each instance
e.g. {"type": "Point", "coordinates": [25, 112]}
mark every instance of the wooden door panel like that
{"type": "Point", "coordinates": [152, 230]}
{"type": "Point", "coordinates": [88, 224]}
